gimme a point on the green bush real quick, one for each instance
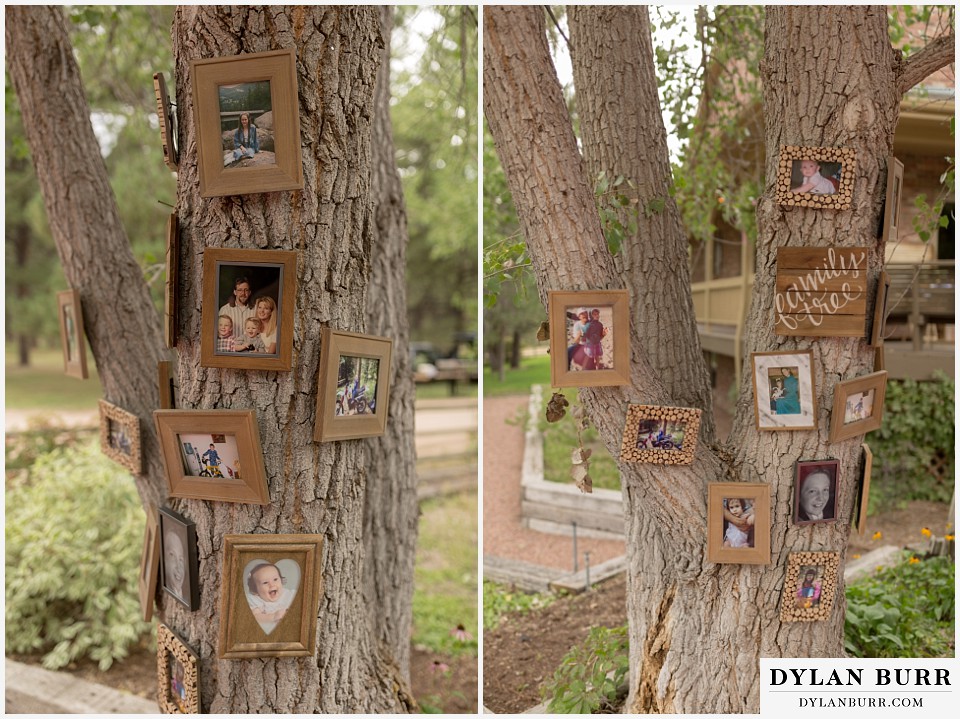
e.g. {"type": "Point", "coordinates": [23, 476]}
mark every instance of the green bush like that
{"type": "Point", "coordinates": [917, 434]}
{"type": "Point", "coordinates": [592, 675]}
{"type": "Point", "coordinates": [74, 533]}
{"type": "Point", "coordinates": [498, 601]}
{"type": "Point", "coordinates": [903, 611]}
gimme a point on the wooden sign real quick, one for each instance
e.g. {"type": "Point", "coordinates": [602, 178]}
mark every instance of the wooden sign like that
{"type": "Point", "coordinates": [821, 291]}
{"type": "Point", "coordinates": [168, 128]}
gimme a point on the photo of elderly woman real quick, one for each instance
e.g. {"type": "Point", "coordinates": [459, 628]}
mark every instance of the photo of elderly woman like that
{"type": "Point", "coordinates": [246, 124]}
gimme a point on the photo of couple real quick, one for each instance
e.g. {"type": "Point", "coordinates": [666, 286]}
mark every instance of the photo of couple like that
{"type": "Point", "coordinates": [247, 323]}
{"type": "Point", "coordinates": [589, 338]}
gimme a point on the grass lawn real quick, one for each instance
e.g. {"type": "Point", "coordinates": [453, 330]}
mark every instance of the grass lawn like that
{"type": "Point", "coordinates": [441, 390]}
{"type": "Point", "coordinates": [446, 574]}
{"type": "Point", "coordinates": [533, 370]}
{"type": "Point", "coordinates": [43, 385]}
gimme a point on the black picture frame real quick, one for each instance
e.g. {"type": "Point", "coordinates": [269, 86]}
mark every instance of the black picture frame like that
{"type": "Point", "coordinates": [804, 470]}
{"type": "Point", "coordinates": [174, 525]}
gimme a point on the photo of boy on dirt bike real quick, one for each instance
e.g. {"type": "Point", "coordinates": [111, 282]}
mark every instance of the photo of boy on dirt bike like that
{"type": "Point", "coordinates": [660, 434]}
{"type": "Point", "coordinates": [357, 386]}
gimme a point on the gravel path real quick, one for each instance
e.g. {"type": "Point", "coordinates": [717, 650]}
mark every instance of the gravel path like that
{"type": "Point", "coordinates": [503, 535]}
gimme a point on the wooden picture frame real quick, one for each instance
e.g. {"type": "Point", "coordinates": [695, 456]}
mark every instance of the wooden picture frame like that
{"type": "Point", "coordinates": [255, 567]}
{"type": "Point", "coordinates": [284, 171]}
{"type": "Point", "coordinates": [727, 543]}
{"type": "Point", "coordinates": [149, 565]}
{"type": "Point", "coordinates": [815, 487]}
{"type": "Point", "coordinates": [342, 412]}
{"type": "Point", "coordinates": [171, 306]}
{"type": "Point", "coordinates": [774, 404]}
{"type": "Point", "coordinates": [192, 442]}
{"type": "Point", "coordinates": [791, 177]}
{"type": "Point", "coordinates": [891, 205]}
{"type": "Point", "coordinates": [168, 123]}
{"type": "Point", "coordinates": [821, 292]}
{"type": "Point", "coordinates": [880, 310]}
{"type": "Point", "coordinates": [610, 309]}
{"type": "Point", "coordinates": [178, 674]}
{"type": "Point", "coordinates": [271, 282]}
{"type": "Point", "coordinates": [165, 385]}
{"type": "Point", "coordinates": [179, 561]}
{"type": "Point", "coordinates": [651, 434]}
{"type": "Point", "coordinates": [879, 359]}
{"type": "Point", "coordinates": [863, 501]}
{"type": "Point", "coordinates": [815, 601]}
{"type": "Point", "coordinates": [72, 336]}
{"type": "Point", "coordinates": [849, 420]}
{"type": "Point", "coordinates": [120, 436]}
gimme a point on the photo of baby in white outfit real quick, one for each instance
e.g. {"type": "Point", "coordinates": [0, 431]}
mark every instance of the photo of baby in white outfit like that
{"type": "Point", "coordinates": [270, 589]}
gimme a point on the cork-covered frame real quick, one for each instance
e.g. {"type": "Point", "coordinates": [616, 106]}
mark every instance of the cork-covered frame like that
{"type": "Point", "coordinates": [560, 373]}
{"type": "Point", "coordinates": [120, 436]}
{"type": "Point", "coordinates": [839, 429]}
{"type": "Point", "coordinates": [171, 647]}
{"type": "Point", "coordinates": [759, 495]}
{"type": "Point", "coordinates": [838, 200]}
{"type": "Point", "coordinates": [640, 445]}
{"type": "Point", "coordinates": [70, 319]}
{"type": "Point", "coordinates": [817, 606]}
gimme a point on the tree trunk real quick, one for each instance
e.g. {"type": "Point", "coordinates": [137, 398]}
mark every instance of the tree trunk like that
{"type": "Point", "coordinates": [21, 253]}
{"type": "Point", "coordinates": [392, 509]}
{"type": "Point", "coordinates": [515, 350]}
{"type": "Point", "coordinates": [697, 630]}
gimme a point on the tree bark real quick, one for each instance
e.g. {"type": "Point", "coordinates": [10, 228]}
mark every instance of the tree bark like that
{"type": "Point", "coordinates": [515, 350]}
{"type": "Point", "coordinates": [392, 509]}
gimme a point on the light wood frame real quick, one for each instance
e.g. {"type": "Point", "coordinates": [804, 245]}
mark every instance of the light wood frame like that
{"type": "Point", "coordinates": [169, 644]}
{"type": "Point", "coordinates": [186, 531]}
{"type": "Point", "coordinates": [759, 493]}
{"type": "Point", "coordinates": [279, 67]}
{"type": "Point", "coordinates": [131, 423]}
{"type": "Point", "coordinates": [171, 306]}
{"type": "Point", "coordinates": [250, 488]}
{"type": "Point", "coordinates": [891, 207]}
{"type": "Point", "coordinates": [560, 373]}
{"type": "Point", "coordinates": [241, 637]}
{"type": "Point", "coordinates": [215, 258]}
{"type": "Point", "coordinates": [168, 124]}
{"type": "Point", "coordinates": [690, 417]}
{"type": "Point", "coordinates": [863, 503]}
{"type": "Point", "coordinates": [165, 387]}
{"type": "Point", "coordinates": [880, 310]}
{"type": "Point", "coordinates": [149, 564]}
{"type": "Point", "coordinates": [765, 419]}
{"type": "Point", "coordinates": [804, 468]}
{"type": "Point", "coordinates": [790, 611]}
{"type": "Point", "coordinates": [334, 344]}
{"type": "Point", "coordinates": [876, 381]}
{"type": "Point", "coordinates": [840, 200]}
{"type": "Point", "coordinates": [72, 366]}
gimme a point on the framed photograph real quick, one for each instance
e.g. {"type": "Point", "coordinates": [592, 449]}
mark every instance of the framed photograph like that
{"type": "Point", "coordinates": [204, 451]}
{"type": "Point", "coordinates": [784, 390]}
{"type": "Point", "coordinates": [120, 436]}
{"type": "Point", "coordinates": [815, 491]}
{"type": "Point", "coordinates": [248, 123]}
{"type": "Point", "coordinates": [247, 315]}
{"type": "Point", "coordinates": [879, 360]}
{"type": "Point", "coordinates": [165, 386]}
{"type": "Point", "coordinates": [816, 177]}
{"type": "Point", "coordinates": [170, 305]}
{"type": "Point", "coordinates": [810, 586]}
{"type": "Point", "coordinates": [270, 596]}
{"type": "Point", "coordinates": [589, 338]}
{"type": "Point", "coordinates": [660, 435]}
{"type": "Point", "coordinates": [738, 522]}
{"type": "Point", "coordinates": [178, 674]}
{"type": "Point", "coordinates": [858, 406]}
{"type": "Point", "coordinates": [863, 501]}
{"type": "Point", "coordinates": [71, 334]}
{"type": "Point", "coordinates": [891, 205]}
{"type": "Point", "coordinates": [354, 385]}
{"type": "Point", "coordinates": [179, 563]}
{"type": "Point", "coordinates": [880, 310]}
{"type": "Point", "coordinates": [149, 565]}
{"type": "Point", "coordinates": [167, 120]}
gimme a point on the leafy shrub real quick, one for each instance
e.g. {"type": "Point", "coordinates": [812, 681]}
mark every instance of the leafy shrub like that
{"type": "Point", "coordinates": [916, 437]}
{"type": "Point", "coordinates": [498, 601]}
{"type": "Point", "coordinates": [73, 538]}
{"type": "Point", "coordinates": [903, 611]}
{"type": "Point", "coordinates": [592, 675]}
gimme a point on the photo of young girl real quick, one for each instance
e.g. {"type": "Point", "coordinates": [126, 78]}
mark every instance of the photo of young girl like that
{"type": "Point", "coordinates": [738, 523]}
{"type": "Point", "coordinates": [178, 690]}
{"type": "Point", "coordinates": [808, 593]}
{"type": "Point", "coordinates": [246, 124]}
{"type": "Point", "coordinates": [589, 338]}
{"type": "Point", "coordinates": [270, 589]}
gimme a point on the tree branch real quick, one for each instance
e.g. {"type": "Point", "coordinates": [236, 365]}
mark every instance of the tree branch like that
{"type": "Point", "coordinates": [935, 55]}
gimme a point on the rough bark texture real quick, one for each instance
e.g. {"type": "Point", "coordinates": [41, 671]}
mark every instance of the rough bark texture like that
{"type": "Point", "coordinates": [122, 326]}
{"type": "Point", "coordinates": [623, 135]}
{"type": "Point", "coordinates": [697, 630]}
{"type": "Point", "coordinates": [392, 509]}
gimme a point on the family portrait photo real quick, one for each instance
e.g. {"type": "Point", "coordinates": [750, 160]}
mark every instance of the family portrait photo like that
{"type": "Point", "coordinates": [784, 392]}
{"type": "Point", "coordinates": [210, 455]}
{"type": "Point", "coordinates": [246, 124]}
{"type": "Point", "coordinates": [816, 492]}
{"type": "Point", "coordinates": [589, 338]}
{"type": "Point", "coordinates": [357, 386]}
{"type": "Point", "coordinates": [270, 588]}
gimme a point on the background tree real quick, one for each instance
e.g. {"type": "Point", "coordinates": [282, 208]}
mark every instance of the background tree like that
{"type": "Point", "coordinates": [684, 613]}
{"type": "Point", "coordinates": [316, 488]}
